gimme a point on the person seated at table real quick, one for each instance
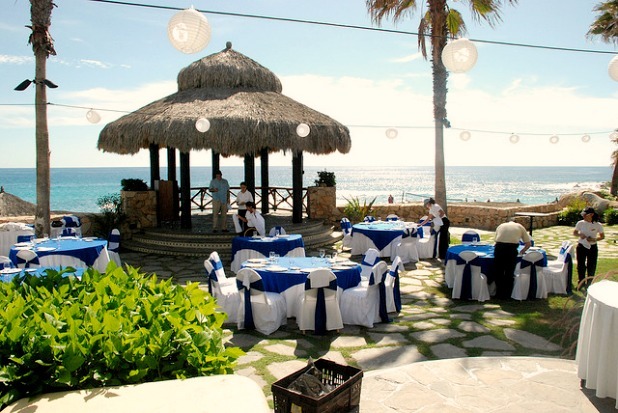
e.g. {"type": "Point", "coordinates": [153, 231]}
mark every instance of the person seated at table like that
{"type": "Point", "coordinates": [242, 198]}
{"type": "Point", "coordinates": [508, 236]}
{"type": "Point", "coordinates": [253, 219]}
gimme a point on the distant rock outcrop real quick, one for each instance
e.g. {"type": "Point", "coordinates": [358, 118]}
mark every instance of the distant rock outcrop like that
{"type": "Point", "coordinates": [592, 199]}
{"type": "Point", "coordinates": [14, 206]}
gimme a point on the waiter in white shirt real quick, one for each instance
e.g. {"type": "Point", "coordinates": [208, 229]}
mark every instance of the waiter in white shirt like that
{"type": "Point", "coordinates": [253, 219]}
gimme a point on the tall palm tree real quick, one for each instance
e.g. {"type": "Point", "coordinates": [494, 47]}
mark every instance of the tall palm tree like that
{"type": "Point", "coordinates": [606, 23]}
{"type": "Point", "coordinates": [438, 22]}
{"type": "Point", "coordinates": [43, 46]}
{"type": "Point", "coordinates": [606, 26]}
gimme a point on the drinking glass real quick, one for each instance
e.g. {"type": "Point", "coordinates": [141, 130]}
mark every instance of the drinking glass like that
{"type": "Point", "coordinates": [321, 253]}
{"type": "Point", "coordinates": [271, 256]}
{"type": "Point", "coordinates": [334, 256]}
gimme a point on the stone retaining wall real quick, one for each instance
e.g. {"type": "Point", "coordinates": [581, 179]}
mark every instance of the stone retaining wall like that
{"type": "Point", "coordinates": [140, 208]}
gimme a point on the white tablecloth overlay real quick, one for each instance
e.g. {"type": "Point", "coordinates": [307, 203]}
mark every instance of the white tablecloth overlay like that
{"type": "Point", "coordinates": [597, 345]}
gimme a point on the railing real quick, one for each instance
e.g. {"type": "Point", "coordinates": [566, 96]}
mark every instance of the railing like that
{"type": "Point", "coordinates": [279, 198]}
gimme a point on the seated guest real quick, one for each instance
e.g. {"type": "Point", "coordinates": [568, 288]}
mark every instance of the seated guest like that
{"type": "Point", "coordinates": [508, 236]}
{"type": "Point", "coordinates": [253, 219]}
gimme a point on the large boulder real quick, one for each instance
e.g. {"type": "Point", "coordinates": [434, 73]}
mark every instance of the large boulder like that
{"type": "Point", "coordinates": [591, 198]}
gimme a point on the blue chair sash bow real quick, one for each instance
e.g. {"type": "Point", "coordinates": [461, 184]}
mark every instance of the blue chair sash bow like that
{"type": "Point", "coordinates": [382, 311]}
{"type": "Point", "coordinates": [27, 263]}
{"type": "Point", "coordinates": [568, 261]}
{"type": "Point", "coordinates": [320, 307]}
{"type": "Point", "coordinates": [246, 291]}
{"type": "Point", "coordinates": [532, 287]}
{"type": "Point", "coordinates": [71, 221]}
{"type": "Point", "coordinates": [396, 290]}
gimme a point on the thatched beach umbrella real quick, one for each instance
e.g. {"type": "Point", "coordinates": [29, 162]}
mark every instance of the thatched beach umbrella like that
{"type": "Point", "coordinates": [248, 117]}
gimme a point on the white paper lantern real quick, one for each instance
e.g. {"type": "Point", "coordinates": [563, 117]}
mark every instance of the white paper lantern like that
{"type": "Point", "coordinates": [93, 116]}
{"type": "Point", "coordinates": [202, 125]}
{"type": "Point", "coordinates": [459, 56]}
{"type": "Point", "coordinates": [303, 130]}
{"type": "Point", "coordinates": [554, 139]}
{"type": "Point", "coordinates": [612, 69]}
{"type": "Point", "coordinates": [514, 138]}
{"type": "Point", "coordinates": [465, 135]}
{"type": "Point", "coordinates": [189, 31]}
{"type": "Point", "coordinates": [391, 133]}
{"type": "Point", "coordinates": [586, 138]}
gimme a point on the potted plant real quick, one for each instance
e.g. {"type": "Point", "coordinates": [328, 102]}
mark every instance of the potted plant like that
{"type": "Point", "coordinates": [133, 184]}
{"type": "Point", "coordinates": [326, 178]}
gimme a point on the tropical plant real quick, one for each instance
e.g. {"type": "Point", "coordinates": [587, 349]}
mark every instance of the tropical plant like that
{"type": "Point", "coordinates": [610, 216]}
{"type": "Point", "coordinates": [133, 184]}
{"type": "Point", "coordinates": [326, 178]}
{"type": "Point", "coordinates": [43, 46]}
{"type": "Point", "coordinates": [111, 216]}
{"type": "Point", "coordinates": [606, 23]}
{"type": "Point", "coordinates": [60, 333]}
{"type": "Point", "coordinates": [437, 23]}
{"type": "Point", "coordinates": [572, 213]}
{"type": "Point", "coordinates": [355, 211]}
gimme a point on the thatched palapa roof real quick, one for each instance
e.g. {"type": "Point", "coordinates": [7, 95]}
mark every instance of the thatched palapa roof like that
{"type": "Point", "coordinates": [243, 102]}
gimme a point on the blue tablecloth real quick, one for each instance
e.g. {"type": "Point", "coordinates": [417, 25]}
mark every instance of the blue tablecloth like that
{"type": "Point", "coordinates": [244, 248]}
{"type": "Point", "coordinates": [382, 233]}
{"type": "Point", "coordinates": [8, 274]}
{"type": "Point", "coordinates": [87, 250]}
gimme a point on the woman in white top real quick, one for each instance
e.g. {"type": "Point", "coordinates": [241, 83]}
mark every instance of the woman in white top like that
{"type": "Point", "coordinates": [441, 224]}
{"type": "Point", "coordinates": [589, 231]}
{"type": "Point", "coordinates": [242, 198]}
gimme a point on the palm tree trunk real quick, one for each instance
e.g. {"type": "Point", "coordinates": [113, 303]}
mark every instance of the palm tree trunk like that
{"type": "Point", "coordinates": [438, 41]}
{"type": "Point", "coordinates": [43, 46]}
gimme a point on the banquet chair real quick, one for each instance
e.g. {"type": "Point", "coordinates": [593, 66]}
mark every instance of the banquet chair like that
{"type": "Point", "coordinates": [469, 282]}
{"type": "Point", "coordinates": [391, 285]}
{"type": "Point", "coordinates": [470, 236]}
{"type": "Point", "coordinates": [258, 309]}
{"type": "Point", "coordinates": [27, 259]}
{"type": "Point", "coordinates": [369, 218]}
{"type": "Point", "coordinates": [428, 245]}
{"type": "Point", "coordinates": [559, 273]}
{"type": "Point", "coordinates": [217, 264]}
{"type": "Point", "coordinates": [72, 221]}
{"type": "Point", "coordinates": [529, 282]}
{"type": "Point", "coordinates": [5, 262]}
{"type": "Point", "coordinates": [24, 238]}
{"type": "Point", "coordinates": [319, 307]}
{"type": "Point", "coordinates": [113, 246]}
{"type": "Point", "coordinates": [226, 294]}
{"type": "Point", "coordinates": [68, 232]}
{"type": "Point", "coordinates": [362, 305]}
{"type": "Point", "coordinates": [346, 229]}
{"type": "Point", "coordinates": [278, 230]}
{"type": "Point", "coordinates": [371, 258]}
{"type": "Point", "coordinates": [407, 249]}
{"type": "Point", "coordinates": [392, 217]}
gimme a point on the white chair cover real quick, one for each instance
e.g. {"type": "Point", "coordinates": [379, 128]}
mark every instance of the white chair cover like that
{"type": "Point", "coordinates": [113, 247]}
{"type": "Point", "coordinates": [391, 284]}
{"type": "Point", "coordinates": [319, 311]}
{"type": "Point", "coordinates": [264, 311]}
{"type": "Point", "coordinates": [371, 258]}
{"type": "Point", "coordinates": [392, 217]}
{"type": "Point", "coordinates": [274, 230]}
{"type": "Point", "coordinates": [470, 236]}
{"type": "Point", "coordinates": [369, 218]}
{"type": "Point", "coordinates": [360, 305]}
{"type": "Point", "coordinates": [407, 249]}
{"type": "Point", "coordinates": [469, 282]}
{"type": "Point", "coordinates": [72, 221]}
{"type": "Point", "coordinates": [529, 282]}
{"type": "Point", "coordinates": [428, 247]}
{"type": "Point", "coordinates": [27, 259]}
{"type": "Point", "coordinates": [225, 293]}
{"type": "Point", "coordinates": [559, 272]}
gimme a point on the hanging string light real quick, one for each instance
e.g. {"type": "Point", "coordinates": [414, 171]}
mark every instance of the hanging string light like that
{"type": "Point", "coordinates": [189, 31]}
{"type": "Point", "coordinates": [391, 133]}
{"type": "Point", "coordinates": [459, 56]}
{"type": "Point", "coordinates": [514, 138]}
{"type": "Point", "coordinates": [202, 125]}
{"type": "Point", "coordinates": [303, 130]}
{"type": "Point", "coordinates": [465, 135]}
{"type": "Point", "coordinates": [586, 138]}
{"type": "Point", "coordinates": [93, 116]}
{"type": "Point", "coordinates": [612, 68]}
{"type": "Point", "coordinates": [554, 139]}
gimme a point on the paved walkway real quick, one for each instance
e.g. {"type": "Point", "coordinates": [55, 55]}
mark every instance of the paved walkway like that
{"type": "Point", "coordinates": [477, 349]}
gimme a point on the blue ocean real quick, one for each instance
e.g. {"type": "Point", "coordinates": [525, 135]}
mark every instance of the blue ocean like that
{"type": "Point", "coordinates": [78, 189]}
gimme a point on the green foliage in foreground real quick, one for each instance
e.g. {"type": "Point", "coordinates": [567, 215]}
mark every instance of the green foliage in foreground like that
{"type": "Point", "coordinates": [60, 333]}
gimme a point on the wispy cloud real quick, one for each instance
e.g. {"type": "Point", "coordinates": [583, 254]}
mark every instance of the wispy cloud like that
{"type": "Point", "coordinates": [408, 58]}
{"type": "Point", "coordinates": [15, 60]}
{"type": "Point", "coordinates": [94, 63]}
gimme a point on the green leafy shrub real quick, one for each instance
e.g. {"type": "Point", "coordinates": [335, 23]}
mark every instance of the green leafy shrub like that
{"type": "Point", "coordinates": [610, 216]}
{"type": "Point", "coordinates": [133, 184]}
{"type": "Point", "coordinates": [61, 333]}
{"type": "Point", "coordinates": [111, 216]}
{"type": "Point", "coordinates": [572, 213]}
{"type": "Point", "coordinates": [326, 178]}
{"type": "Point", "coordinates": [355, 211]}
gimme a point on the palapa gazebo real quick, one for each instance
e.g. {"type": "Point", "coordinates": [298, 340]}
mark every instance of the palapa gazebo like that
{"type": "Point", "coordinates": [248, 117]}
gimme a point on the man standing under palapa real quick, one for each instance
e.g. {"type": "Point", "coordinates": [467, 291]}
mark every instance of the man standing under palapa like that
{"type": "Point", "coordinates": [220, 191]}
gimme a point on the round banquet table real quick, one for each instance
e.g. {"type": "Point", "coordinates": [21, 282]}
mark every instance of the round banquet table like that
{"type": "Point", "coordinates": [289, 274]}
{"type": "Point", "coordinates": [244, 248]}
{"type": "Point", "coordinates": [7, 274]}
{"type": "Point", "coordinates": [68, 252]}
{"type": "Point", "coordinates": [383, 236]}
{"type": "Point", "coordinates": [485, 260]}
{"type": "Point", "coordinates": [597, 344]}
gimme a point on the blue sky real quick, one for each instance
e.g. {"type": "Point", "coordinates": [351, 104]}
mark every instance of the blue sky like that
{"type": "Point", "coordinates": [118, 58]}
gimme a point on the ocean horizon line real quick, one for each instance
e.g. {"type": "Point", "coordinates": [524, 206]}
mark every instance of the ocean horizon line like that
{"type": "Point", "coordinates": [327, 167]}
